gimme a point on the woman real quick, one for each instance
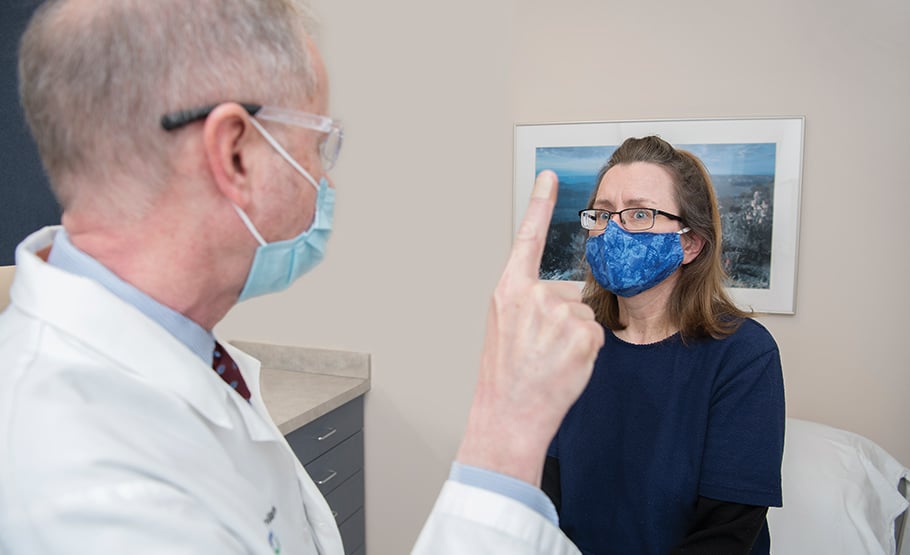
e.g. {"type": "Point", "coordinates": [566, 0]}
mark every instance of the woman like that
{"type": "Point", "coordinates": [675, 445]}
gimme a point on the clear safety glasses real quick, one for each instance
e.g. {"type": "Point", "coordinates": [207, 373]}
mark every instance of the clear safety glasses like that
{"type": "Point", "coordinates": [329, 146]}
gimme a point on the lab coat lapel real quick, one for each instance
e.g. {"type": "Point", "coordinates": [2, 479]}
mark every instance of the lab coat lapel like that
{"type": "Point", "coordinates": [319, 514]}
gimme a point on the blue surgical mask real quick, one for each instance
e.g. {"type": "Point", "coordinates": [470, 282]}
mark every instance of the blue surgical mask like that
{"type": "Point", "coordinates": [629, 263]}
{"type": "Point", "coordinates": [277, 265]}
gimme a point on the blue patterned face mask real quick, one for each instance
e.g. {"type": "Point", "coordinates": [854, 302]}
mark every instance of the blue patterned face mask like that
{"type": "Point", "coordinates": [628, 263]}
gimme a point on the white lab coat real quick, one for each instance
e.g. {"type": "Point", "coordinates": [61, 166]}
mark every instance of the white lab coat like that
{"type": "Point", "coordinates": [468, 520]}
{"type": "Point", "coordinates": [115, 438]}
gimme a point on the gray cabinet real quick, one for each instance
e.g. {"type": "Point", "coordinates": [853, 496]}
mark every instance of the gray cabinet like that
{"type": "Point", "coordinates": [331, 450]}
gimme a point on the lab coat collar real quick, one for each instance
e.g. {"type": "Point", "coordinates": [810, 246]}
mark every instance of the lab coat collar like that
{"type": "Point", "coordinates": [93, 315]}
{"type": "Point", "coordinates": [256, 418]}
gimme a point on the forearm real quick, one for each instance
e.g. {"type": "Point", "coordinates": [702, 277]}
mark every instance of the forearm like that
{"type": "Point", "coordinates": [511, 444]}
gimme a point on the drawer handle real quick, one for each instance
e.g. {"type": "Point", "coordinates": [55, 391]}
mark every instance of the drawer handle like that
{"type": "Point", "coordinates": [327, 479]}
{"type": "Point", "coordinates": [327, 435]}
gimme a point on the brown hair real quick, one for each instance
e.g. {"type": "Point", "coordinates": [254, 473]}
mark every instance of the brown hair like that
{"type": "Point", "coordinates": [698, 306]}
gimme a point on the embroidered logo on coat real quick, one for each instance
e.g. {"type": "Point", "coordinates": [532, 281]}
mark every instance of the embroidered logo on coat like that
{"type": "Point", "coordinates": [273, 538]}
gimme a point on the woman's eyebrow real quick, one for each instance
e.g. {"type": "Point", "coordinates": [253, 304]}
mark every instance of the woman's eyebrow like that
{"type": "Point", "coordinates": [640, 202]}
{"type": "Point", "coordinates": [637, 202]}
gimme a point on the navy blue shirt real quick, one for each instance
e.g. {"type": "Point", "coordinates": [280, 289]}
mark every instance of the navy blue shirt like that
{"type": "Point", "coordinates": [660, 425]}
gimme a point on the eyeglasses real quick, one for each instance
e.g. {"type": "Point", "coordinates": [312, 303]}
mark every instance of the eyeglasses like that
{"type": "Point", "coordinates": [328, 148]}
{"type": "Point", "coordinates": [633, 219]}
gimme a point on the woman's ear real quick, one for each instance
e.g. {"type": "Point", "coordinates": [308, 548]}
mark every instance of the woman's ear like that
{"type": "Point", "coordinates": [692, 245]}
{"type": "Point", "coordinates": [228, 151]}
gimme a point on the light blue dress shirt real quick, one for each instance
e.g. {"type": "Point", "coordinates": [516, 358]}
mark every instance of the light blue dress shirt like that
{"type": "Point", "coordinates": [66, 256]}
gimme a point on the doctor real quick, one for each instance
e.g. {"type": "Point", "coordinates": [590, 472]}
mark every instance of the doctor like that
{"type": "Point", "coordinates": [189, 150]}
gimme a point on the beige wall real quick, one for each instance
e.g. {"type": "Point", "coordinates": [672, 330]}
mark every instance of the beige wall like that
{"type": "Point", "coordinates": [6, 278]}
{"type": "Point", "coordinates": [430, 93]}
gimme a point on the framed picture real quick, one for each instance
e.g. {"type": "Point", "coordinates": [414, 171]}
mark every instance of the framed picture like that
{"type": "Point", "coordinates": [755, 165]}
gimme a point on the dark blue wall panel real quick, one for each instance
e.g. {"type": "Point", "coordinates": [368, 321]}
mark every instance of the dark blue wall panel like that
{"type": "Point", "coordinates": [26, 202]}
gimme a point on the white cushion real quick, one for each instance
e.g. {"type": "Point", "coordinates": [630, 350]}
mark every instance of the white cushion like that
{"type": "Point", "coordinates": [840, 494]}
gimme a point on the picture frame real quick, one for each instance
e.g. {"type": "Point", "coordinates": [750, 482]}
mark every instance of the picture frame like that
{"type": "Point", "coordinates": [755, 165]}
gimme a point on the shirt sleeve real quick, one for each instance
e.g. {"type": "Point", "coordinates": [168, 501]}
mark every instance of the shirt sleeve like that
{"type": "Point", "coordinates": [513, 488]}
{"type": "Point", "coordinates": [745, 436]}
{"type": "Point", "coordinates": [550, 483]}
{"type": "Point", "coordinates": [722, 528]}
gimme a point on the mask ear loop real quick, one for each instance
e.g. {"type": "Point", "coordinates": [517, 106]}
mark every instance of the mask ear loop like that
{"type": "Point", "coordinates": [283, 153]}
{"type": "Point", "coordinates": [249, 224]}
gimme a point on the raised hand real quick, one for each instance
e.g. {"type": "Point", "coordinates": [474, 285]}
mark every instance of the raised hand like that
{"type": "Point", "coordinates": [539, 349]}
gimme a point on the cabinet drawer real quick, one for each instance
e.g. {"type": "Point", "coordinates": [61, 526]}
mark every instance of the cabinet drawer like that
{"type": "Point", "coordinates": [353, 532]}
{"type": "Point", "coordinates": [347, 497]}
{"type": "Point", "coordinates": [338, 464]}
{"type": "Point", "coordinates": [317, 437]}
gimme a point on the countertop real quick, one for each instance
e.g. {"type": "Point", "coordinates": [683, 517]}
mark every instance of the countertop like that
{"type": "Point", "coordinates": [300, 384]}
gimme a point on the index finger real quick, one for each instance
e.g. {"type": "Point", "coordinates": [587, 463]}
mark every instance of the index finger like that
{"type": "Point", "coordinates": [531, 238]}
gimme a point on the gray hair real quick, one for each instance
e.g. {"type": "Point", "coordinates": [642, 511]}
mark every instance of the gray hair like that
{"type": "Point", "coordinates": [96, 76]}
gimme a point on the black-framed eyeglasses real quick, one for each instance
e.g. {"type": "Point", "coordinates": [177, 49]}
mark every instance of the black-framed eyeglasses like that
{"type": "Point", "coordinates": [329, 147]}
{"type": "Point", "coordinates": [633, 219]}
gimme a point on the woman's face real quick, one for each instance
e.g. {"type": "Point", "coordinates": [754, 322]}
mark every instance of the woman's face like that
{"type": "Point", "coordinates": [638, 185]}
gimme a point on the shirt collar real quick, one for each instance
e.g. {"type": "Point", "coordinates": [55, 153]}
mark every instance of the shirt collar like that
{"type": "Point", "coordinates": [66, 256]}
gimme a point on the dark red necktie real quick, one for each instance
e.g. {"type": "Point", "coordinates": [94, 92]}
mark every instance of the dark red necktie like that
{"type": "Point", "coordinates": [227, 369]}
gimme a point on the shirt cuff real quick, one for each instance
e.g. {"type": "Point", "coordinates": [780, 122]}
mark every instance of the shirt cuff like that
{"type": "Point", "coordinates": [508, 486]}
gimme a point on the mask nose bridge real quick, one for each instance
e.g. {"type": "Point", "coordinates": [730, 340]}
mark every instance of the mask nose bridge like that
{"type": "Point", "coordinates": [616, 220]}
